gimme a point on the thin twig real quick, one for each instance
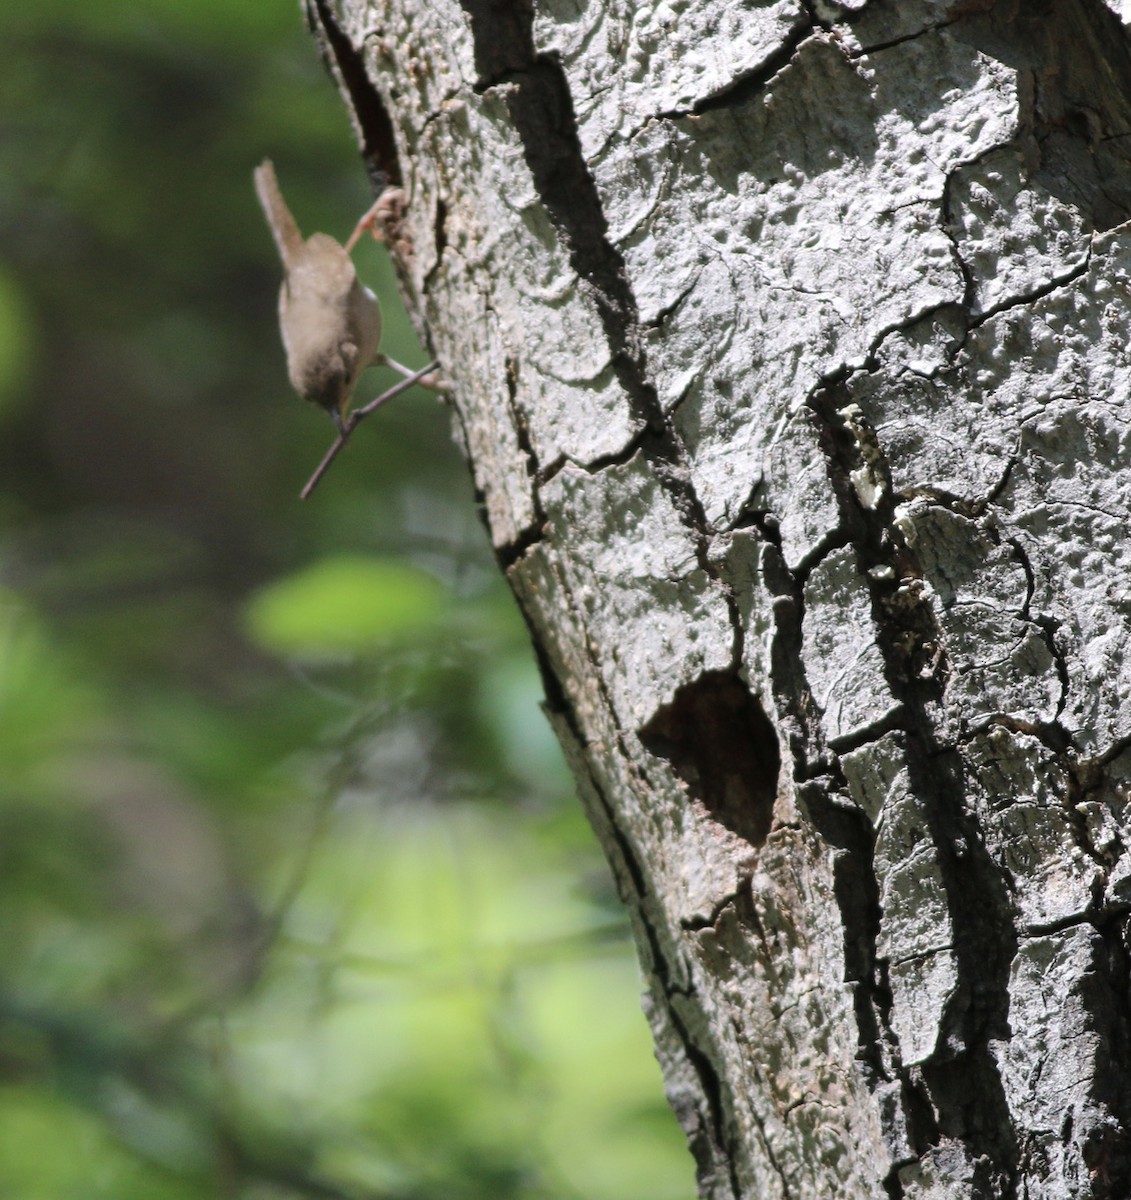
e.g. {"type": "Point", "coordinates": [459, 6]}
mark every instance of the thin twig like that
{"type": "Point", "coordinates": [354, 417]}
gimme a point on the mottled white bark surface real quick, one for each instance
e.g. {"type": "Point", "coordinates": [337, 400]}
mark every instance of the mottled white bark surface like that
{"type": "Point", "coordinates": [790, 350]}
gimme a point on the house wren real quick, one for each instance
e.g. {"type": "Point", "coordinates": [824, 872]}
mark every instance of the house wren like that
{"type": "Point", "coordinates": [331, 323]}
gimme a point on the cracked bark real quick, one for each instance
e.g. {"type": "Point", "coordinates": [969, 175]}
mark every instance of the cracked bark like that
{"type": "Point", "coordinates": [790, 351]}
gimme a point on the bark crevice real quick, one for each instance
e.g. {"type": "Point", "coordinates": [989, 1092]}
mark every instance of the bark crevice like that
{"type": "Point", "coordinates": [913, 649]}
{"type": "Point", "coordinates": [374, 124]}
{"type": "Point", "coordinates": [749, 84]}
{"type": "Point", "coordinates": [514, 550]}
{"type": "Point", "coordinates": [538, 99]}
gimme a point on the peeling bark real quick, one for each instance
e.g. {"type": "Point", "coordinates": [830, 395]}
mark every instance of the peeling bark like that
{"type": "Point", "coordinates": [790, 351]}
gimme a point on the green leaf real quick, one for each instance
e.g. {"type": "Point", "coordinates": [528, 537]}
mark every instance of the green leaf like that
{"type": "Point", "coordinates": [346, 603]}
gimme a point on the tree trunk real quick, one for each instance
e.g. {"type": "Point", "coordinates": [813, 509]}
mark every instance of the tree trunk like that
{"type": "Point", "coordinates": [789, 343]}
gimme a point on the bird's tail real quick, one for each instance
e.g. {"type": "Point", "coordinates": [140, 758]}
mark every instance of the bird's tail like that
{"type": "Point", "coordinates": [283, 226]}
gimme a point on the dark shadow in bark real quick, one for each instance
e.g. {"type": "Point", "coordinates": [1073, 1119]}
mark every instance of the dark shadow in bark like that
{"type": "Point", "coordinates": [961, 1080]}
{"type": "Point", "coordinates": [1074, 63]}
{"type": "Point", "coordinates": [379, 143]}
{"type": "Point", "coordinates": [719, 741]}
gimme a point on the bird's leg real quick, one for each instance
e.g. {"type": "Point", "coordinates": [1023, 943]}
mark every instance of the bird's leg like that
{"type": "Point", "coordinates": [368, 221]}
{"type": "Point", "coordinates": [387, 208]}
{"type": "Point", "coordinates": [432, 382]}
{"type": "Point", "coordinates": [410, 377]}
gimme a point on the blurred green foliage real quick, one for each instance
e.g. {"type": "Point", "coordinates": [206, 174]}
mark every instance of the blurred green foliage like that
{"type": "Point", "coordinates": [295, 899]}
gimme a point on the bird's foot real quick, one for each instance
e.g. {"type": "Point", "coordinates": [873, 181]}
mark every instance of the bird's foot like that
{"type": "Point", "coordinates": [385, 212]}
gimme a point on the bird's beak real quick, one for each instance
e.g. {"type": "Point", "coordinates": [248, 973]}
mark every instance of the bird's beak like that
{"type": "Point", "coordinates": [339, 416]}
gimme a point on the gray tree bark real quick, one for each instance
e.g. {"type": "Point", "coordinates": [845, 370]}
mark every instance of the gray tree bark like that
{"type": "Point", "coordinates": [789, 342]}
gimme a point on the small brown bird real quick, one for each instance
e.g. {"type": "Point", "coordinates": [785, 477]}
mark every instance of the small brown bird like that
{"type": "Point", "coordinates": [331, 323]}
